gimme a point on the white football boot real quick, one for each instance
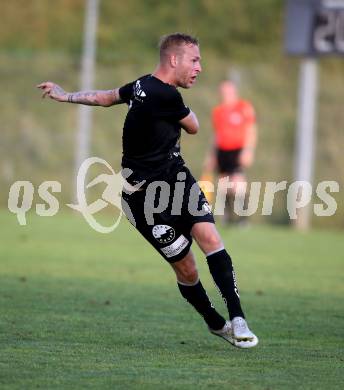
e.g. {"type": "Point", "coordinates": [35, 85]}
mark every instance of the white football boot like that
{"type": "Point", "coordinates": [225, 332]}
{"type": "Point", "coordinates": [236, 334]}
{"type": "Point", "coordinates": [242, 333]}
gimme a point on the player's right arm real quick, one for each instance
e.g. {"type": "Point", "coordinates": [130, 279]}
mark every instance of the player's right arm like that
{"type": "Point", "coordinates": [210, 161]}
{"type": "Point", "coordinates": [104, 98]}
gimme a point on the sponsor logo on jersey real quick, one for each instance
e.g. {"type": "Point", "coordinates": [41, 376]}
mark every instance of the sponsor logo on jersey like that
{"type": "Point", "coordinates": [163, 233]}
{"type": "Point", "coordinates": [139, 92]}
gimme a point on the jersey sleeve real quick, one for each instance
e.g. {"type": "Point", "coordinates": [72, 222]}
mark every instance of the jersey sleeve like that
{"type": "Point", "coordinates": [126, 92]}
{"type": "Point", "coordinates": [174, 107]}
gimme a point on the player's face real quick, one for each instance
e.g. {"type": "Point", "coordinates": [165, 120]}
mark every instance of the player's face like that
{"type": "Point", "coordinates": [188, 66]}
{"type": "Point", "coordinates": [228, 92]}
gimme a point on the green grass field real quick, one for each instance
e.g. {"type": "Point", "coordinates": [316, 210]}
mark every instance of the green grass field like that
{"type": "Point", "coordinates": [83, 310]}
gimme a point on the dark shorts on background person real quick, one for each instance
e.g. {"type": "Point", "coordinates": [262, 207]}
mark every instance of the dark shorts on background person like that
{"type": "Point", "coordinates": [170, 232]}
{"type": "Point", "coordinates": [228, 161]}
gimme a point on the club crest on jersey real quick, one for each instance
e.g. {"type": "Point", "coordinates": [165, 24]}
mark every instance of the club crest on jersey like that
{"type": "Point", "coordinates": [163, 233]}
{"type": "Point", "coordinates": [138, 91]}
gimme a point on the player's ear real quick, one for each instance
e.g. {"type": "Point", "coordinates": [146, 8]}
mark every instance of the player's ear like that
{"type": "Point", "coordinates": [173, 60]}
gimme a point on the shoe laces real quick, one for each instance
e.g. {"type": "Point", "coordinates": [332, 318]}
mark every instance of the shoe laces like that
{"type": "Point", "coordinates": [239, 323]}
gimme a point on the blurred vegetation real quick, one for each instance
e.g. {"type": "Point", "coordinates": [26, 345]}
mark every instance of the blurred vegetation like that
{"type": "Point", "coordinates": [127, 29]}
{"type": "Point", "coordinates": [42, 40]}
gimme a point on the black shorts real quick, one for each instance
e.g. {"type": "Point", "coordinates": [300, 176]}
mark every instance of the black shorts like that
{"type": "Point", "coordinates": [165, 217]}
{"type": "Point", "coordinates": [228, 161]}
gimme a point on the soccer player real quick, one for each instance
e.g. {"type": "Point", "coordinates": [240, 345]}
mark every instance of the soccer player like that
{"type": "Point", "coordinates": [151, 150]}
{"type": "Point", "coordinates": [235, 138]}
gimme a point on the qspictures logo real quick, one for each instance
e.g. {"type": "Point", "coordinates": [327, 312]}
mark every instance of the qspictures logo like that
{"type": "Point", "coordinates": [158, 195]}
{"type": "Point", "coordinates": [21, 195]}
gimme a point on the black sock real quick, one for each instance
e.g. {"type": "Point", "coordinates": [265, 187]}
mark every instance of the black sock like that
{"type": "Point", "coordinates": [198, 298]}
{"type": "Point", "coordinates": [221, 269]}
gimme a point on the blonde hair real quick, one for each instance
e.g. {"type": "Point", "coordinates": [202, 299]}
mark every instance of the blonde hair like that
{"type": "Point", "coordinates": [175, 41]}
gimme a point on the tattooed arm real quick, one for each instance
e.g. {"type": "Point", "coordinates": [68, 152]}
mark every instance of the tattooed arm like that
{"type": "Point", "coordinates": [90, 98]}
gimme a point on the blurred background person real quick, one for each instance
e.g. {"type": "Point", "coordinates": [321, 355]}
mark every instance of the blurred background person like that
{"type": "Point", "coordinates": [233, 149]}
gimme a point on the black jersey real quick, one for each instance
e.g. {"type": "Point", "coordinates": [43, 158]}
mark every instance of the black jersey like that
{"type": "Point", "coordinates": [151, 133]}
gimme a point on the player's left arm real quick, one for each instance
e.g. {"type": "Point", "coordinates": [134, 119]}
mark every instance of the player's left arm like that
{"type": "Point", "coordinates": [248, 151]}
{"type": "Point", "coordinates": [251, 138]}
{"type": "Point", "coordinates": [249, 147]}
{"type": "Point", "coordinates": [190, 123]}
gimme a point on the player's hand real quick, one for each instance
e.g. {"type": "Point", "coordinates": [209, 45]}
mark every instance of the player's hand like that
{"type": "Point", "coordinates": [54, 91]}
{"type": "Point", "coordinates": [246, 158]}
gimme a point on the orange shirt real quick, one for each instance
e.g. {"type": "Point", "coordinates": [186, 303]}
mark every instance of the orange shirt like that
{"type": "Point", "coordinates": [231, 124]}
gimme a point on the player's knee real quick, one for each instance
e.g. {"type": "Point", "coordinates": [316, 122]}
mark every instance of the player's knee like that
{"type": "Point", "coordinates": [213, 242]}
{"type": "Point", "coordinates": [189, 275]}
